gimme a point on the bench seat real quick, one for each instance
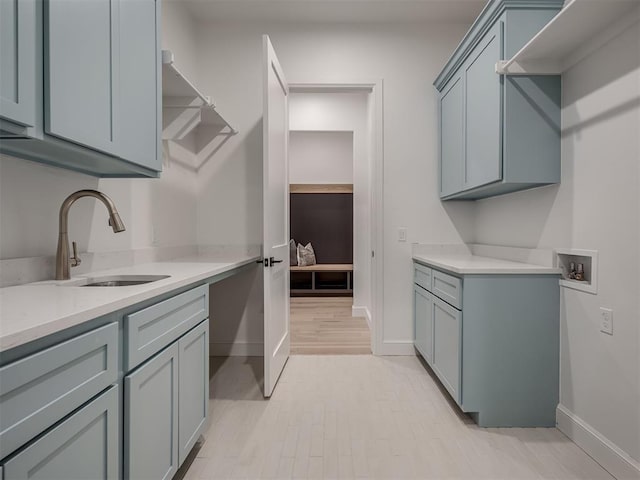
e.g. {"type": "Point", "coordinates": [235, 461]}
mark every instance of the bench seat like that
{"type": "Point", "coordinates": [323, 268]}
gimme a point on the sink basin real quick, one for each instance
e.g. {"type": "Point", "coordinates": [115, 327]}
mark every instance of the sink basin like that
{"type": "Point", "coordinates": [117, 281]}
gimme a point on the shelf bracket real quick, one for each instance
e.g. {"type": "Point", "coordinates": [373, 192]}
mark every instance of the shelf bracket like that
{"type": "Point", "coordinates": [509, 67]}
{"type": "Point", "coordinates": [531, 68]}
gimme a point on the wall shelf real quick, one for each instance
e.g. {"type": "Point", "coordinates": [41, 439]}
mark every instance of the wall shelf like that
{"type": "Point", "coordinates": [185, 108]}
{"type": "Point", "coordinates": [565, 39]}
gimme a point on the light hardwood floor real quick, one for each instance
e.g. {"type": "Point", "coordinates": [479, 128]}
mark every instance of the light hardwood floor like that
{"type": "Point", "coordinates": [324, 325]}
{"type": "Point", "coordinates": [360, 416]}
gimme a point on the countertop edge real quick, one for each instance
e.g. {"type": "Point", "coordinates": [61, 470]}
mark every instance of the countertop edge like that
{"type": "Point", "coordinates": [500, 270]}
{"type": "Point", "coordinates": [16, 339]}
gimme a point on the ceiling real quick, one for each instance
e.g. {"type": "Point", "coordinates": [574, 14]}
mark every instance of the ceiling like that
{"type": "Point", "coordinates": [335, 11]}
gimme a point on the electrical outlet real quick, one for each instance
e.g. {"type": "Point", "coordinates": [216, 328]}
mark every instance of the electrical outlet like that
{"type": "Point", "coordinates": [402, 234]}
{"type": "Point", "coordinates": [606, 320]}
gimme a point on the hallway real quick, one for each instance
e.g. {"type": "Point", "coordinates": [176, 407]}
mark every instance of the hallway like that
{"type": "Point", "coordinates": [324, 325]}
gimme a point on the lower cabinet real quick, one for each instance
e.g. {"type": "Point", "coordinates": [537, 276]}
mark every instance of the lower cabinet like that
{"type": "Point", "coordinates": [151, 418]}
{"type": "Point", "coordinates": [438, 337]}
{"type": "Point", "coordinates": [127, 398]}
{"type": "Point", "coordinates": [85, 446]}
{"type": "Point", "coordinates": [447, 333]}
{"type": "Point", "coordinates": [166, 407]}
{"type": "Point", "coordinates": [193, 394]}
{"type": "Point", "coordinates": [493, 342]}
{"type": "Point", "coordinates": [423, 324]}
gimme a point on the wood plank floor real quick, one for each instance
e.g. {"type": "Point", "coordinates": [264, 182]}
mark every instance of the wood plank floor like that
{"type": "Point", "coordinates": [361, 416]}
{"type": "Point", "coordinates": [324, 325]}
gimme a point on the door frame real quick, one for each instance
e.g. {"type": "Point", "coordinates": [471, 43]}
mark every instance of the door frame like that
{"type": "Point", "coordinates": [375, 90]}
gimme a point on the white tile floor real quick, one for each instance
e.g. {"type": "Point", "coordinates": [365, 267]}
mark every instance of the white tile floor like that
{"type": "Point", "coordinates": [351, 416]}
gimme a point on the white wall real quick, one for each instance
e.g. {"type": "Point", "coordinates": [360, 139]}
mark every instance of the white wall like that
{"type": "Point", "coordinates": [347, 112]}
{"type": "Point", "coordinates": [407, 58]}
{"type": "Point", "coordinates": [178, 35]}
{"type": "Point", "coordinates": [597, 207]}
{"type": "Point", "coordinates": [320, 157]}
{"type": "Point", "coordinates": [156, 212]}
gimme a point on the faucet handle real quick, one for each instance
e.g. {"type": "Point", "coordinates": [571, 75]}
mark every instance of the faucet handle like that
{"type": "Point", "coordinates": [75, 260]}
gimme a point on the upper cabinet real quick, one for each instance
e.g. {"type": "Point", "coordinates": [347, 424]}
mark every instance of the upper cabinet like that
{"type": "Point", "coordinates": [94, 88]}
{"type": "Point", "coordinates": [17, 61]}
{"type": "Point", "coordinates": [81, 72]}
{"type": "Point", "coordinates": [498, 134]}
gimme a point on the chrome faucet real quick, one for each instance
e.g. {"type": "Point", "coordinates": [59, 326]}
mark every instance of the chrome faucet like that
{"type": "Point", "coordinates": [63, 261]}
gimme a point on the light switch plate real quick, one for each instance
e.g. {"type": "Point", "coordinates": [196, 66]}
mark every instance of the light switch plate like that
{"type": "Point", "coordinates": [606, 320]}
{"type": "Point", "coordinates": [402, 234]}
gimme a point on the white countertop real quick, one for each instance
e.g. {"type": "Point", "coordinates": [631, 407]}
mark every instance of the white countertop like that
{"type": "Point", "coordinates": [35, 310]}
{"type": "Point", "coordinates": [473, 264]}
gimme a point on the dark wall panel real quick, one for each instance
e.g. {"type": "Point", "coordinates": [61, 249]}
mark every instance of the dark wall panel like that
{"type": "Point", "coordinates": [325, 220]}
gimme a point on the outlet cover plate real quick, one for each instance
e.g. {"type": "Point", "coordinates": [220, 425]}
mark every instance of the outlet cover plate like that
{"type": "Point", "coordinates": [606, 320]}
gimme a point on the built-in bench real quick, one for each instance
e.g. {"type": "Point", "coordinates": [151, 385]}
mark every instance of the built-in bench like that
{"type": "Point", "coordinates": [317, 288]}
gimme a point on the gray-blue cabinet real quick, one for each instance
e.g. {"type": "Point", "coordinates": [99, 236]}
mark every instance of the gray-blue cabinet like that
{"type": "Point", "coordinates": [81, 48]}
{"type": "Point", "coordinates": [96, 88]}
{"type": "Point", "coordinates": [447, 329]}
{"type": "Point", "coordinates": [423, 322]}
{"type": "Point", "coordinates": [84, 446]}
{"type": "Point", "coordinates": [452, 136]}
{"type": "Point", "coordinates": [17, 63]}
{"type": "Point", "coordinates": [166, 404]}
{"type": "Point", "coordinates": [140, 86]}
{"type": "Point", "coordinates": [40, 389]}
{"type": "Point", "coordinates": [166, 407]}
{"type": "Point", "coordinates": [126, 393]}
{"type": "Point", "coordinates": [193, 391]}
{"type": "Point", "coordinates": [151, 418]}
{"type": "Point", "coordinates": [482, 112]}
{"type": "Point", "coordinates": [493, 342]}
{"type": "Point", "coordinates": [498, 135]}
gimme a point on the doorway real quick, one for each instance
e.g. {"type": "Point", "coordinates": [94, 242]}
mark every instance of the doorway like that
{"type": "Point", "coordinates": [331, 159]}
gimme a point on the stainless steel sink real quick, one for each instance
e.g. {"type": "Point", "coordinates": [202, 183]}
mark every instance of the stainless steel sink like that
{"type": "Point", "coordinates": [116, 281]}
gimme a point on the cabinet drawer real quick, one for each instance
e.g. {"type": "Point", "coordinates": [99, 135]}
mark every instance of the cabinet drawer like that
{"type": "Point", "coordinates": [84, 446]}
{"type": "Point", "coordinates": [448, 288]}
{"type": "Point", "coordinates": [155, 327]}
{"type": "Point", "coordinates": [422, 276]}
{"type": "Point", "coordinates": [41, 389]}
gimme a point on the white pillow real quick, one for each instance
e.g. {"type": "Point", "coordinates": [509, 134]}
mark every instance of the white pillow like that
{"type": "Point", "coordinates": [306, 255]}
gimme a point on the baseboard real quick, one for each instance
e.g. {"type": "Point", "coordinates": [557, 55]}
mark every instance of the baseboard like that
{"type": "Point", "coordinates": [236, 349]}
{"type": "Point", "coordinates": [602, 450]}
{"type": "Point", "coordinates": [362, 312]}
{"type": "Point", "coordinates": [396, 348]}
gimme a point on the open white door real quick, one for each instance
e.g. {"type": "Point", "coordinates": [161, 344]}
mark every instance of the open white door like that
{"type": "Point", "coordinates": [275, 217]}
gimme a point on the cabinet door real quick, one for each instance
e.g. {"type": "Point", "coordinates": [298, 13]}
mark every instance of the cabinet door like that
{"type": "Point", "coordinates": [139, 109]}
{"type": "Point", "coordinates": [18, 61]}
{"type": "Point", "coordinates": [423, 323]}
{"type": "Point", "coordinates": [151, 418]}
{"type": "Point", "coordinates": [81, 72]}
{"type": "Point", "coordinates": [483, 111]}
{"type": "Point", "coordinates": [194, 388]}
{"type": "Point", "coordinates": [84, 446]}
{"type": "Point", "coordinates": [39, 390]}
{"type": "Point", "coordinates": [447, 330]}
{"type": "Point", "coordinates": [452, 137]}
